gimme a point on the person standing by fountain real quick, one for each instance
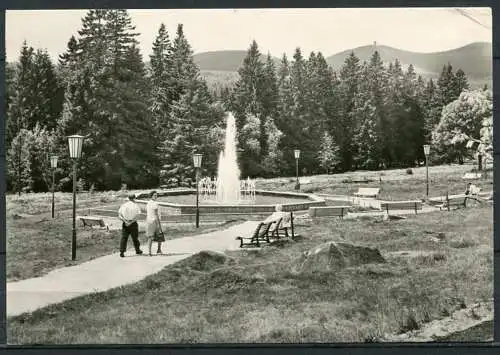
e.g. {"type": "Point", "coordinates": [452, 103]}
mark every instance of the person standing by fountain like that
{"type": "Point", "coordinates": [154, 232]}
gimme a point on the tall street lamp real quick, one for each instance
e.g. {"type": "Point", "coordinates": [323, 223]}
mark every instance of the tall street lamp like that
{"type": "Point", "coordinates": [427, 150]}
{"type": "Point", "coordinates": [197, 164]}
{"type": "Point", "coordinates": [53, 165]}
{"type": "Point", "coordinates": [75, 152]}
{"type": "Point", "coordinates": [296, 152]}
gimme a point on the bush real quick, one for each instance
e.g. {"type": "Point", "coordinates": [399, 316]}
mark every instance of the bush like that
{"type": "Point", "coordinates": [409, 171]}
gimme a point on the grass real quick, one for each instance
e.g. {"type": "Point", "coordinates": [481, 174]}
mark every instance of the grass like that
{"type": "Point", "coordinates": [394, 184]}
{"type": "Point", "coordinates": [257, 296]}
{"type": "Point", "coordinates": [36, 245]}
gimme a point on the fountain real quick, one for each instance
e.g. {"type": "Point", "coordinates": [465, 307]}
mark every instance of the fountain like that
{"type": "Point", "coordinates": [226, 196]}
{"type": "Point", "coordinates": [228, 174]}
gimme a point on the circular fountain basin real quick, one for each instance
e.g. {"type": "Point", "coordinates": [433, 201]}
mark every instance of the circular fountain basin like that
{"type": "Point", "coordinates": [180, 205]}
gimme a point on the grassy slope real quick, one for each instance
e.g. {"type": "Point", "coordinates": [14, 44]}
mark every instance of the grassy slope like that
{"type": "Point", "coordinates": [258, 298]}
{"type": "Point", "coordinates": [396, 184]}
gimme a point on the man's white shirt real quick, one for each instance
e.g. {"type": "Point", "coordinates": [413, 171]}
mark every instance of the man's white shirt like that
{"type": "Point", "coordinates": [130, 211]}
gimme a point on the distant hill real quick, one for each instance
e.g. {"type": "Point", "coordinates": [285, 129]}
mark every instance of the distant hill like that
{"type": "Point", "coordinates": [223, 60]}
{"type": "Point", "coordinates": [475, 60]}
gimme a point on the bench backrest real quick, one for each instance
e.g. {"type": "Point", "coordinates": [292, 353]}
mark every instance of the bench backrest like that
{"type": "Point", "coordinates": [92, 221]}
{"type": "Point", "coordinates": [456, 201]}
{"type": "Point", "coordinates": [368, 191]}
{"type": "Point", "coordinates": [257, 230]}
{"type": "Point", "coordinates": [402, 205]}
{"type": "Point", "coordinates": [266, 227]}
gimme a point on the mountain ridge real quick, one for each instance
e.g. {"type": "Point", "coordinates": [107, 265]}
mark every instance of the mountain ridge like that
{"type": "Point", "coordinates": [475, 59]}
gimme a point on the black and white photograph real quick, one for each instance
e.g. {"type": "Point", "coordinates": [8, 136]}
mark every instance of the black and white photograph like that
{"type": "Point", "coordinates": [249, 176]}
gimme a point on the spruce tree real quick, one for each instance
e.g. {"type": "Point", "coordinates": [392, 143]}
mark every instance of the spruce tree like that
{"type": "Point", "coordinates": [350, 80]}
{"type": "Point", "coordinates": [162, 81]}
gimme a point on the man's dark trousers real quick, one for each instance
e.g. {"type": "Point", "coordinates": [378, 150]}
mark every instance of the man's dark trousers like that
{"type": "Point", "coordinates": [132, 230]}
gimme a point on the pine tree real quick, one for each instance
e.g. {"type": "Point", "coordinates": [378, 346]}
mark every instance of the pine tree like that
{"type": "Point", "coordinates": [10, 123]}
{"type": "Point", "coordinates": [446, 85]}
{"type": "Point", "coordinates": [19, 162]}
{"type": "Point", "coordinates": [368, 142]}
{"type": "Point", "coordinates": [49, 92]}
{"type": "Point", "coordinates": [382, 125]}
{"type": "Point", "coordinates": [269, 99]}
{"type": "Point", "coordinates": [106, 100]}
{"type": "Point", "coordinates": [350, 79]}
{"type": "Point", "coordinates": [162, 81]}
{"type": "Point", "coordinates": [247, 90]}
{"type": "Point", "coordinates": [461, 83]}
{"type": "Point", "coordinates": [20, 110]}
{"type": "Point", "coordinates": [185, 72]}
{"type": "Point", "coordinates": [432, 108]}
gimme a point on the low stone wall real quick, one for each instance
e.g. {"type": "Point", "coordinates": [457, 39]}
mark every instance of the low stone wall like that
{"type": "Point", "coordinates": [309, 201]}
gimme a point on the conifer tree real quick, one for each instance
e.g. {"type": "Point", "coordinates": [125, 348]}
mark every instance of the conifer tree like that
{"type": "Point", "coordinates": [328, 155]}
{"type": "Point", "coordinates": [162, 81]}
{"type": "Point", "coordinates": [350, 80]}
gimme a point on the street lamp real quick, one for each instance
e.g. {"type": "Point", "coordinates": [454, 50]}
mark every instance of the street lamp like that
{"type": "Point", "coordinates": [53, 165]}
{"type": "Point", "coordinates": [75, 152]}
{"type": "Point", "coordinates": [197, 164]}
{"type": "Point", "coordinates": [296, 152]}
{"type": "Point", "coordinates": [427, 149]}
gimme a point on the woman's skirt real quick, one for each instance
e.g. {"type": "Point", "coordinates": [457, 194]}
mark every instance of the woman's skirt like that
{"type": "Point", "coordinates": [152, 231]}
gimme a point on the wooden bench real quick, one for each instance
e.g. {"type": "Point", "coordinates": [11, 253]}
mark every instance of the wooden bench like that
{"type": "Point", "coordinates": [472, 176]}
{"type": "Point", "coordinates": [457, 202]}
{"type": "Point", "coordinates": [93, 221]}
{"type": "Point", "coordinates": [261, 233]}
{"type": "Point", "coordinates": [401, 205]}
{"type": "Point", "coordinates": [335, 211]}
{"type": "Point", "coordinates": [367, 192]}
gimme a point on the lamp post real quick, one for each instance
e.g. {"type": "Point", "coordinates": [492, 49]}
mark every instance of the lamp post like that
{"type": "Point", "coordinates": [427, 149]}
{"type": "Point", "coordinates": [53, 165]}
{"type": "Point", "coordinates": [197, 164]}
{"type": "Point", "coordinates": [75, 152]}
{"type": "Point", "coordinates": [296, 152]}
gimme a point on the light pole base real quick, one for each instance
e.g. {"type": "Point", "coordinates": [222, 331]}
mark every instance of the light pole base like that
{"type": "Point", "coordinates": [297, 185]}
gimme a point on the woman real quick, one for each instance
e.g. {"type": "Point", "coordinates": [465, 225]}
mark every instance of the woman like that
{"type": "Point", "coordinates": [153, 225]}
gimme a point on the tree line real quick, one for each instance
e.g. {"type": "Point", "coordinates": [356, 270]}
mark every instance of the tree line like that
{"type": "Point", "coordinates": [143, 121]}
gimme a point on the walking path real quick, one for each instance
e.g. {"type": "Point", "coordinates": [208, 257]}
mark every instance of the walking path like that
{"type": "Point", "coordinates": [111, 271]}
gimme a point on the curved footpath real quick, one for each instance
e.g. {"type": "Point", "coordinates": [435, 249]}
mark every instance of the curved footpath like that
{"type": "Point", "coordinates": [111, 271]}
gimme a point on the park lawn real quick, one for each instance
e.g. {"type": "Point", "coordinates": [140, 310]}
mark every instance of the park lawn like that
{"type": "Point", "coordinates": [41, 203]}
{"type": "Point", "coordinates": [36, 245]}
{"type": "Point", "coordinates": [394, 184]}
{"type": "Point", "coordinates": [256, 296]}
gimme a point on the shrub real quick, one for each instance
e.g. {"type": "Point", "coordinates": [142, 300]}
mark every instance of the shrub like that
{"type": "Point", "coordinates": [409, 171]}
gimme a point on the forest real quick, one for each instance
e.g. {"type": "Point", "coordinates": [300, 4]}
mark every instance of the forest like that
{"type": "Point", "coordinates": [143, 119]}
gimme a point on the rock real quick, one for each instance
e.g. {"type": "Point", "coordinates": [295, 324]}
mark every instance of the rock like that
{"type": "Point", "coordinates": [334, 256]}
{"type": "Point", "coordinates": [206, 260]}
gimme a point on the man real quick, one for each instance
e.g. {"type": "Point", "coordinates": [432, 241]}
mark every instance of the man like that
{"type": "Point", "coordinates": [128, 213]}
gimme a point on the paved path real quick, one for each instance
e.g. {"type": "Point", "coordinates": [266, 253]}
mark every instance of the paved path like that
{"type": "Point", "coordinates": [111, 271]}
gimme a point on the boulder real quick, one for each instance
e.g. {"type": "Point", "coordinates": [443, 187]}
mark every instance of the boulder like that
{"type": "Point", "coordinates": [206, 260]}
{"type": "Point", "coordinates": [334, 256]}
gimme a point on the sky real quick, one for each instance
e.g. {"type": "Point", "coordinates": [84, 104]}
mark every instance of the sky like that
{"type": "Point", "coordinates": [276, 31]}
